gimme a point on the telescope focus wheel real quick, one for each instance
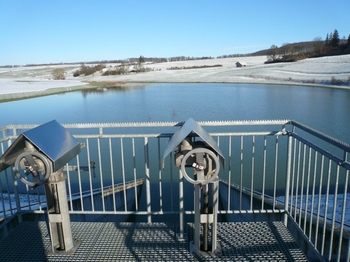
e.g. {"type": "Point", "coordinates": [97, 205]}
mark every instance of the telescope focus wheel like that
{"type": "Point", "coordinates": [197, 151]}
{"type": "Point", "coordinates": [32, 168]}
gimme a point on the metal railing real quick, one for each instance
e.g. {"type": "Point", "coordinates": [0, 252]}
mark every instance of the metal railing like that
{"type": "Point", "coordinates": [273, 167]}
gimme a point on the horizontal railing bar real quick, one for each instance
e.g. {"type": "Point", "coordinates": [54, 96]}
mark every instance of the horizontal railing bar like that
{"type": "Point", "coordinates": [96, 212]}
{"type": "Point", "coordinates": [128, 185]}
{"type": "Point", "coordinates": [162, 135]}
{"type": "Point", "coordinates": [143, 213]}
{"type": "Point", "coordinates": [156, 124]}
{"type": "Point", "coordinates": [5, 139]}
{"type": "Point", "coordinates": [249, 211]}
{"type": "Point", "coordinates": [326, 153]}
{"type": "Point", "coordinates": [188, 212]}
{"type": "Point", "coordinates": [168, 135]}
{"type": "Point", "coordinates": [174, 124]}
{"type": "Point", "coordinates": [322, 136]}
{"type": "Point", "coordinates": [19, 126]}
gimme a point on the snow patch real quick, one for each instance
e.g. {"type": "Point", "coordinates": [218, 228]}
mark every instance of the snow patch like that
{"type": "Point", "coordinates": [314, 206]}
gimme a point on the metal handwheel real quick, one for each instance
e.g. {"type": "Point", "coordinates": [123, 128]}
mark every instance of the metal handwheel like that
{"type": "Point", "coordinates": [32, 168]}
{"type": "Point", "coordinates": [197, 166]}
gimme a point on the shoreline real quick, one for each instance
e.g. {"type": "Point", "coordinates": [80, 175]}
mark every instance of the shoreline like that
{"type": "Point", "coordinates": [36, 81]}
{"type": "Point", "coordinates": [129, 85]}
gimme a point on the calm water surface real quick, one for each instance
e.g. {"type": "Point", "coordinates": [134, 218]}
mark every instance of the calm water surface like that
{"type": "Point", "coordinates": [324, 109]}
{"type": "Point", "coordinates": [327, 110]}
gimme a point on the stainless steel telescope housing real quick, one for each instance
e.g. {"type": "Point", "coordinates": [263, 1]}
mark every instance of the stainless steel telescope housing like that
{"type": "Point", "coordinates": [191, 127]}
{"type": "Point", "coordinates": [50, 139]}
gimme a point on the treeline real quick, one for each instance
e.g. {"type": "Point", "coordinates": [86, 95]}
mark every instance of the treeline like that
{"type": "Point", "coordinates": [120, 61]}
{"type": "Point", "coordinates": [332, 45]}
{"type": "Point", "coordinates": [119, 69]}
{"type": "Point", "coordinates": [88, 70]}
{"type": "Point", "coordinates": [10, 66]}
{"type": "Point", "coordinates": [78, 63]}
{"type": "Point", "coordinates": [188, 58]}
{"type": "Point", "coordinates": [146, 59]}
{"type": "Point", "coordinates": [193, 67]}
{"type": "Point", "coordinates": [236, 55]}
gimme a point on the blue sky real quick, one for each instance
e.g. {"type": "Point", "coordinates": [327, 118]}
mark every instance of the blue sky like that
{"type": "Point", "coordinates": [54, 31]}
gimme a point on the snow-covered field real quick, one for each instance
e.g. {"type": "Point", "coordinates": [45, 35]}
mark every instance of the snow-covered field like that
{"type": "Point", "coordinates": [313, 71]}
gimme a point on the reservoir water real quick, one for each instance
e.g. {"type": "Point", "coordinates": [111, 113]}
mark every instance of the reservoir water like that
{"type": "Point", "coordinates": [327, 110]}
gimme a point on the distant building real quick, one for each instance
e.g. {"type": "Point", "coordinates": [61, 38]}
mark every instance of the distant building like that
{"type": "Point", "coordinates": [241, 64]}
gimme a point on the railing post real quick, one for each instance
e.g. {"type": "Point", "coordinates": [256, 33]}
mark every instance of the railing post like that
{"type": "Point", "coordinates": [289, 170]}
{"type": "Point", "coordinates": [16, 194]}
{"type": "Point", "coordinates": [181, 204]}
{"type": "Point", "coordinates": [148, 183]}
{"type": "Point", "coordinates": [15, 184]}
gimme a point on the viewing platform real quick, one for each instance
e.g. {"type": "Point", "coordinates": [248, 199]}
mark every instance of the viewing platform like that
{"type": "Point", "coordinates": [108, 241]}
{"type": "Point", "coordinates": [281, 193]}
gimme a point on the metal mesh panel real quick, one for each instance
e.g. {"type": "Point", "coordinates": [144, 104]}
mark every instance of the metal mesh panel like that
{"type": "Point", "coordinates": [151, 242]}
{"type": "Point", "coordinates": [256, 241]}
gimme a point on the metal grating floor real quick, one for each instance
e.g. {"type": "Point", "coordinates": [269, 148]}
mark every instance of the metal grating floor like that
{"type": "Point", "coordinates": [108, 241]}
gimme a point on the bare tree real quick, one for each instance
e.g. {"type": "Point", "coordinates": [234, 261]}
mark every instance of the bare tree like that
{"type": "Point", "coordinates": [285, 49]}
{"type": "Point", "coordinates": [318, 45]}
{"type": "Point", "coordinates": [58, 74]}
{"type": "Point", "coordinates": [272, 53]}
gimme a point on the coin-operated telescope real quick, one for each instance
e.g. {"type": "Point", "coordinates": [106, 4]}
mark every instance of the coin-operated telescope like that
{"type": "Point", "coordinates": [38, 157]}
{"type": "Point", "coordinates": [204, 157]}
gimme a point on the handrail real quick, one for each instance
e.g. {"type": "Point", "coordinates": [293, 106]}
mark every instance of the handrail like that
{"type": "Point", "coordinates": [259, 156]}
